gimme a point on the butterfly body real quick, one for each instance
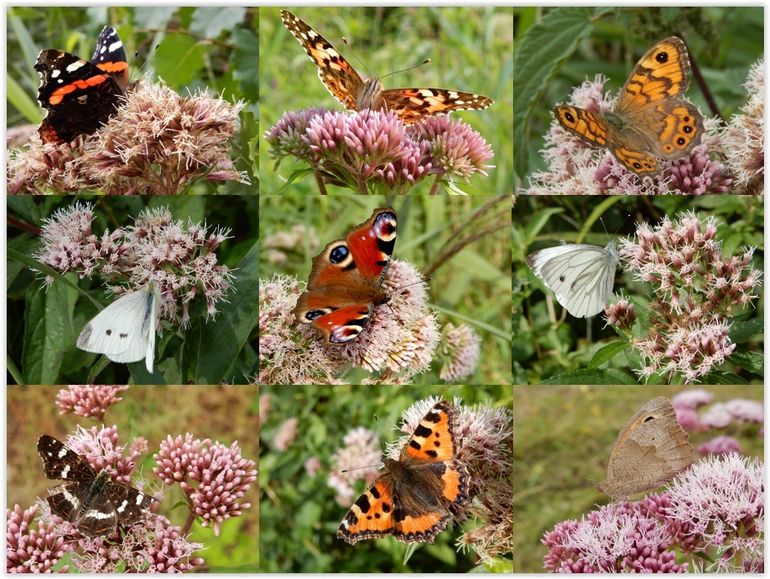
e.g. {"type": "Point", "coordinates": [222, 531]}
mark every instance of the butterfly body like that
{"type": "Point", "coordinates": [81, 95]}
{"type": "Point", "coordinates": [649, 121]}
{"type": "Point", "coordinates": [414, 497]}
{"type": "Point", "coordinates": [582, 276]}
{"type": "Point", "coordinates": [356, 93]}
{"type": "Point", "coordinates": [92, 502]}
{"type": "Point", "coordinates": [345, 282]}
{"type": "Point", "coordinates": [650, 450]}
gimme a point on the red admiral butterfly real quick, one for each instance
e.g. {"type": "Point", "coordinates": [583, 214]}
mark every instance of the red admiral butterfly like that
{"type": "Point", "coordinates": [80, 95]}
{"type": "Point", "coordinates": [93, 502]}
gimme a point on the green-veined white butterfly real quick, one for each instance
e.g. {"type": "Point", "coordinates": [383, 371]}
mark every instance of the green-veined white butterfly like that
{"type": "Point", "coordinates": [124, 331]}
{"type": "Point", "coordinates": [581, 276]}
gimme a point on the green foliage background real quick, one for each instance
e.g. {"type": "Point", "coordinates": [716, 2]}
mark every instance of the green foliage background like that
{"type": "Point", "coordinates": [562, 351]}
{"type": "Point", "coordinates": [470, 49]}
{"type": "Point", "coordinates": [208, 48]}
{"type": "Point", "coordinates": [43, 326]}
{"type": "Point", "coordinates": [563, 436]}
{"type": "Point", "coordinates": [472, 287]}
{"type": "Point", "coordinates": [557, 48]}
{"type": "Point", "coordinates": [298, 514]}
{"type": "Point", "coordinates": [222, 413]}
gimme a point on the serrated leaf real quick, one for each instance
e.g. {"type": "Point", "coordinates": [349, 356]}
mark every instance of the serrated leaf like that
{"type": "Point", "coordinates": [538, 55]}
{"type": "Point", "coordinates": [753, 362]}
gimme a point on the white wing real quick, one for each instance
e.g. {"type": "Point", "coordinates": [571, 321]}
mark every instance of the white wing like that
{"type": "Point", "coordinates": [124, 331]}
{"type": "Point", "coordinates": [581, 276]}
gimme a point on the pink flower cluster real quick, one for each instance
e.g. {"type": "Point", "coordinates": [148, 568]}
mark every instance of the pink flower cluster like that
{"type": "Point", "coordinates": [88, 401]}
{"type": "Point", "coordinates": [696, 291]}
{"type": "Point", "coordinates": [713, 512]}
{"type": "Point", "coordinates": [214, 477]}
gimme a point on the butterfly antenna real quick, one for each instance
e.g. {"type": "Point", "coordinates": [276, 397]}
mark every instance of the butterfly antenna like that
{"type": "Point", "coordinates": [360, 467]}
{"type": "Point", "coordinates": [426, 61]}
{"type": "Point", "coordinates": [359, 59]}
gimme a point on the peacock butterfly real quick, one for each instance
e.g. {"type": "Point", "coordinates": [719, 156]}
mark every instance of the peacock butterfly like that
{"type": "Point", "coordinates": [346, 278]}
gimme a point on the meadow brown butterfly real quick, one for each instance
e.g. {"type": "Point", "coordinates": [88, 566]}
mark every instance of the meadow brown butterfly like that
{"type": "Point", "coordinates": [650, 450]}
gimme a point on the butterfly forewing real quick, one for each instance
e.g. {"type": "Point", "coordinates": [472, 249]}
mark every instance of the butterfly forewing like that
{"type": "Point", "coordinates": [582, 276]}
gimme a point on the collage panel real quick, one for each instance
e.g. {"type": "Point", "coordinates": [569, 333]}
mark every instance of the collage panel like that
{"type": "Point", "coordinates": [117, 290]}
{"type": "Point", "coordinates": [325, 501]}
{"type": "Point", "coordinates": [686, 119]}
{"type": "Point", "coordinates": [438, 312]}
{"type": "Point", "coordinates": [133, 100]}
{"type": "Point", "coordinates": [372, 58]}
{"type": "Point", "coordinates": [638, 290]}
{"type": "Point", "coordinates": [576, 446]}
{"type": "Point", "coordinates": [150, 479]}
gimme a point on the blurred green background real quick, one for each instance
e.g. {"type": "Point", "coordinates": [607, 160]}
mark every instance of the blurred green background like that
{"type": "Point", "coordinates": [222, 413]}
{"type": "Point", "coordinates": [473, 287]}
{"type": "Point", "coordinates": [557, 48]}
{"type": "Point", "coordinates": [470, 49]}
{"type": "Point", "coordinates": [298, 514]}
{"type": "Point", "coordinates": [189, 48]}
{"type": "Point", "coordinates": [563, 436]}
{"type": "Point", "coordinates": [43, 326]}
{"type": "Point", "coordinates": [560, 350]}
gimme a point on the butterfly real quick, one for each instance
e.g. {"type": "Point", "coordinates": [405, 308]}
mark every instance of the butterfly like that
{"type": "Point", "coordinates": [80, 95]}
{"type": "Point", "coordinates": [345, 282]}
{"type": "Point", "coordinates": [414, 497]}
{"type": "Point", "coordinates": [650, 450]}
{"type": "Point", "coordinates": [93, 502]}
{"type": "Point", "coordinates": [582, 276]}
{"type": "Point", "coordinates": [124, 331]}
{"type": "Point", "coordinates": [355, 93]}
{"type": "Point", "coordinates": [649, 121]}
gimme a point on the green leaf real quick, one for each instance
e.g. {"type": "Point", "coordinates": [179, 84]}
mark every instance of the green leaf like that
{"type": "Point", "coordinates": [211, 349]}
{"type": "Point", "coordinates": [246, 67]}
{"type": "Point", "coordinates": [213, 21]}
{"type": "Point", "coordinates": [753, 362]}
{"type": "Point", "coordinates": [19, 98]}
{"type": "Point", "coordinates": [591, 377]}
{"type": "Point", "coordinates": [538, 55]}
{"type": "Point", "coordinates": [179, 59]}
{"type": "Point", "coordinates": [744, 331]}
{"type": "Point", "coordinates": [608, 352]}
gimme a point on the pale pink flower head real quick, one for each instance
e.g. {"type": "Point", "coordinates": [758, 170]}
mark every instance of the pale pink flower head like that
{"type": "Point", "coordinates": [30, 550]}
{"type": "Point", "coordinates": [214, 477]}
{"type": "Point", "coordinates": [691, 399]}
{"type": "Point", "coordinates": [286, 434]}
{"type": "Point", "coordinates": [88, 401]}
{"type": "Point", "coordinates": [179, 259]}
{"type": "Point", "coordinates": [719, 445]}
{"type": "Point", "coordinates": [101, 447]}
{"type": "Point", "coordinates": [460, 349]}
{"type": "Point", "coordinates": [746, 410]}
{"type": "Point", "coordinates": [717, 415]}
{"type": "Point", "coordinates": [696, 291]}
{"type": "Point", "coordinates": [359, 458]}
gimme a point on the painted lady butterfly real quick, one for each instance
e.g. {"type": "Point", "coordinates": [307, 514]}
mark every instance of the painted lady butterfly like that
{"type": "Point", "coordinates": [355, 93]}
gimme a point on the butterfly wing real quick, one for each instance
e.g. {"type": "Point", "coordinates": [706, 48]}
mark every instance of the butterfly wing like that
{"type": "Point", "coordinates": [582, 276]}
{"type": "Point", "coordinates": [648, 452]}
{"type": "Point", "coordinates": [121, 331]}
{"type": "Point", "coordinates": [344, 283]}
{"type": "Point", "coordinates": [413, 104]}
{"type": "Point", "coordinates": [110, 57]}
{"type": "Point", "coordinates": [337, 74]}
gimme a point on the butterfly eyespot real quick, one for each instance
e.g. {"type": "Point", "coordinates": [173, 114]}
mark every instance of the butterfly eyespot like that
{"type": "Point", "coordinates": [687, 129]}
{"type": "Point", "coordinates": [662, 57]}
{"type": "Point", "coordinates": [339, 254]}
{"type": "Point", "coordinates": [314, 314]}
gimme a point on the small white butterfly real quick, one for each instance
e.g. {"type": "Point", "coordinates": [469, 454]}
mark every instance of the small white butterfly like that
{"type": "Point", "coordinates": [124, 331]}
{"type": "Point", "coordinates": [582, 276]}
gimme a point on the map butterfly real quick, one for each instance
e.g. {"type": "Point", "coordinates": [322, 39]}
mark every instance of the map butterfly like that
{"type": "Point", "coordinates": [91, 501]}
{"type": "Point", "coordinates": [355, 93]}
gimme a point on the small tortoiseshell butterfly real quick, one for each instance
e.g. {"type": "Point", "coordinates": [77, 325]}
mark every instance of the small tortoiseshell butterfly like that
{"type": "Point", "coordinates": [414, 497]}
